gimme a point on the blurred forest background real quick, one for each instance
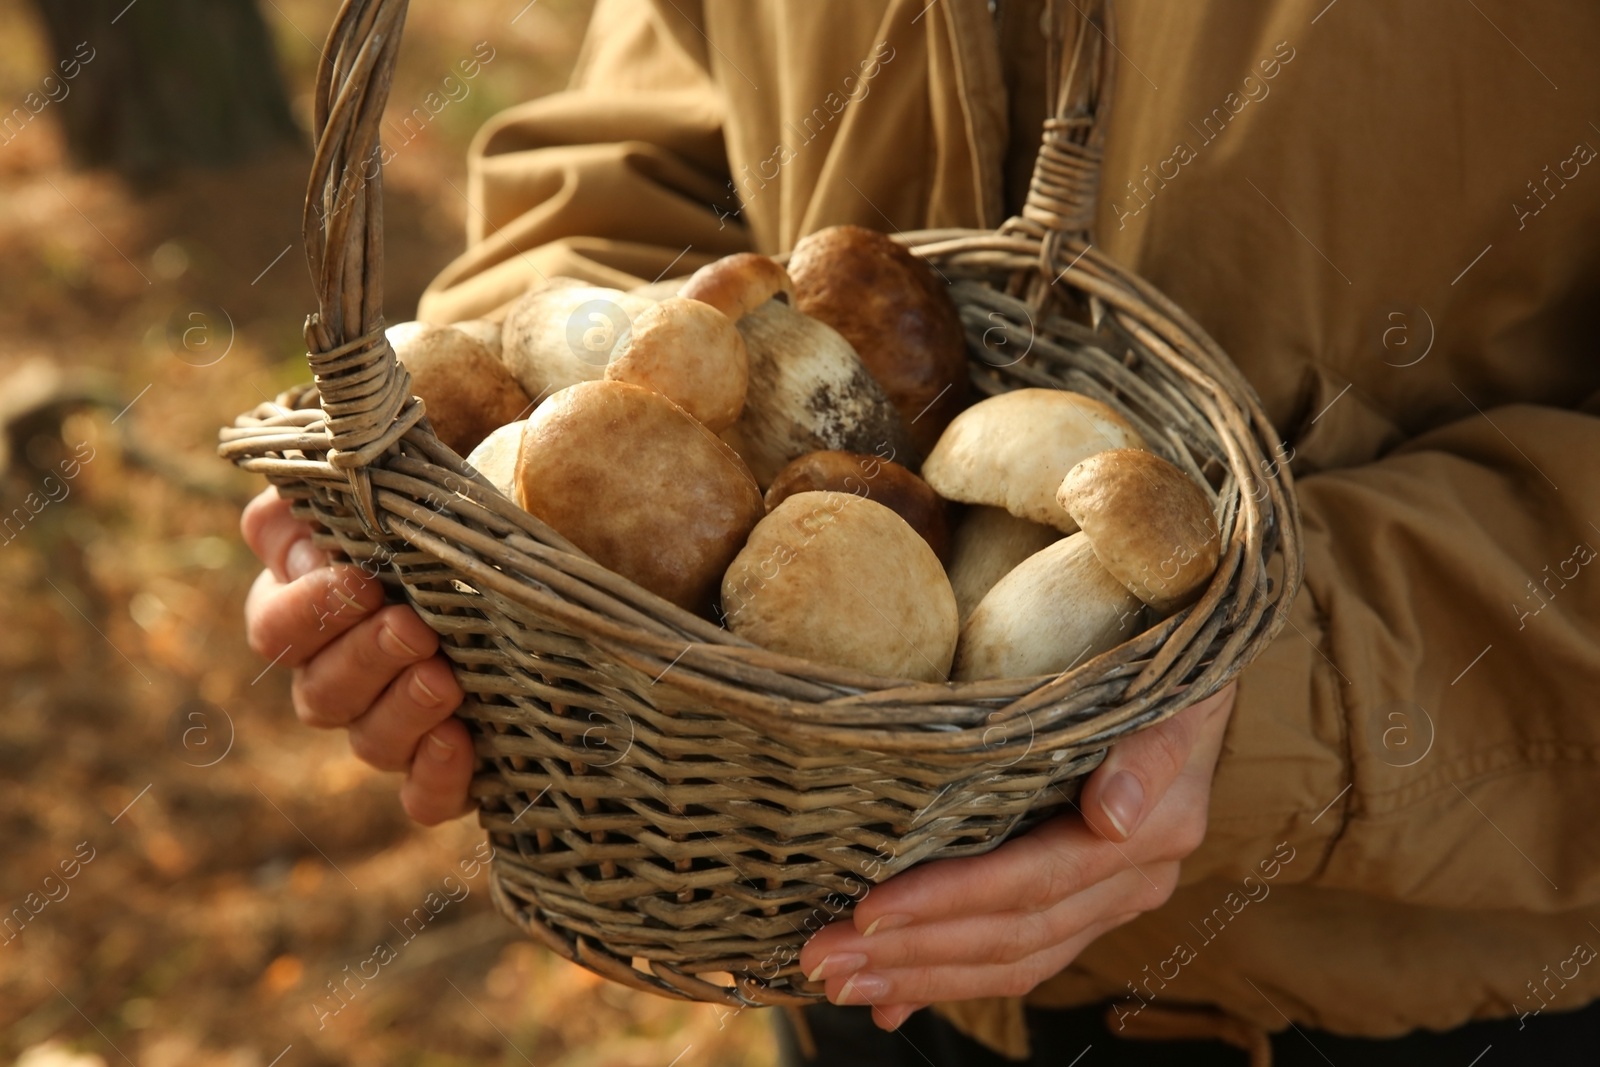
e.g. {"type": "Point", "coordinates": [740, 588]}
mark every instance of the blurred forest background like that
{"type": "Point", "coordinates": [194, 868]}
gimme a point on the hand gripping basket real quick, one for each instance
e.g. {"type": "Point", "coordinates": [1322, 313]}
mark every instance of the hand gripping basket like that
{"type": "Point", "coordinates": [670, 806]}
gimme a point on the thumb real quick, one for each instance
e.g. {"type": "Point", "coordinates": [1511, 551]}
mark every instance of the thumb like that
{"type": "Point", "coordinates": [1139, 770]}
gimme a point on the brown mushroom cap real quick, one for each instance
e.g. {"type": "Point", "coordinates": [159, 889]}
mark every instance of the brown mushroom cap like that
{"type": "Point", "coordinates": [1151, 525]}
{"type": "Point", "coordinates": [898, 315]}
{"type": "Point", "coordinates": [877, 479]}
{"type": "Point", "coordinates": [1012, 451]}
{"type": "Point", "coordinates": [640, 485]}
{"type": "Point", "coordinates": [837, 578]}
{"type": "Point", "coordinates": [690, 353]}
{"type": "Point", "coordinates": [1057, 608]}
{"type": "Point", "coordinates": [737, 284]}
{"type": "Point", "coordinates": [467, 391]}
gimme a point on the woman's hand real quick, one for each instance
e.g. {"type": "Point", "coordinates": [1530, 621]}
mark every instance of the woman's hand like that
{"type": "Point", "coordinates": [359, 664]}
{"type": "Point", "coordinates": [1001, 923]}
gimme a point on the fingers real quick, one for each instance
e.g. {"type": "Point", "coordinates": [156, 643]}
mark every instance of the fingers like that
{"type": "Point", "coordinates": [290, 623]}
{"type": "Point", "coordinates": [1010, 937]}
{"type": "Point", "coordinates": [1027, 873]}
{"type": "Point", "coordinates": [344, 679]}
{"type": "Point", "coordinates": [422, 697]}
{"type": "Point", "coordinates": [279, 540]}
{"type": "Point", "coordinates": [1139, 770]}
{"type": "Point", "coordinates": [924, 985]}
{"type": "Point", "coordinates": [894, 1016]}
{"type": "Point", "coordinates": [441, 772]}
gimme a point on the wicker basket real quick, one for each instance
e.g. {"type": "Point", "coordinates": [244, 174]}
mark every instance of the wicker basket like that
{"type": "Point", "coordinates": [673, 807]}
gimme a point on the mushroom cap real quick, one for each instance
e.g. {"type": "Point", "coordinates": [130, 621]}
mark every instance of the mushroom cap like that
{"type": "Point", "coordinates": [988, 543]}
{"type": "Point", "coordinates": [467, 391]}
{"type": "Point", "coordinates": [690, 353]}
{"type": "Point", "coordinates": [496, 457]}
{"type": "Point", "coordinates": [640, 485]}
{"type": "Point", "coordinates": [738, 284]}
{"type": "Point", "coordinates": [1151, 525]}
{"type": "Point", "coordinates": [1057, 608]}
{"type": "Point", "coordinates": [898, 315]}
{"type": "Point", "coordinates": [484, 331]}
{"type": "Point", "coordinates": [1012, 451]}
{"type": "Point", "coordinates": [836, 578]}
{"type": "Point", "coordinates": [875, 478]}
{"type": "Point", "coordinates": [563, 333]}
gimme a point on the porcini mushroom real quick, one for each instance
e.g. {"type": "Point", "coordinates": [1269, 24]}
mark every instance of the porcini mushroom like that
{"type": "Point", "coordinates": [1151, 526]}
{"type": "Point", "coordinates": [810, 392]}
{"type": "Point", "coordinates": [875, 478]}
{"type": "Point", "coordinates": [690, 353]}
{"type": "Point", "coordinates": [1012, 451]}
{"type": "Point", "coordinates": [639, 484]}
{"type": "Point", "coordinates": [840, 579]}
{"type": "Point", "coordinates": [496, 458]}
{"type": "Point", "coordinates": [987, 545]}
{"type": "Point", "coordinates": [1057, 608]}
{"type": "Point", "coordinates": [466, 390]}
{"type": "Point", "coordinates": [562, 334]}
{"type": "Point", "coordinates": [895, 312]}
{"type": "Point", "coordinates": [738, 284]}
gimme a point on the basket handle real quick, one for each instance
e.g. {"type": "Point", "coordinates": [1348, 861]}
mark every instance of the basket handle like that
{"type": "Point", "coordinates": [365, 393]}
{"type": "Point", "coordinates": [1064, 190]}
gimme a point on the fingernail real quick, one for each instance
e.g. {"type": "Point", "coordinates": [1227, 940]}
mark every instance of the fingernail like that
{"type": "Point", "coordinates": [303, 558]}
{"type": "Point", "coordinates": [863, 989]}
{"type": "Point", "coordinates": [424, 695]}
{"type": "Point", "coordinates": [394, 645]}
{"type": "Point", "coordinates": [439, 748]}
{"type": "Point", "coordinates": [885, 923]}
{"type": "Point", "coordinates": [1122, 802]}
{"type": "Point", "coordinates": [355, 605]}
{"type": "Point", "coordinates": [836, 965]}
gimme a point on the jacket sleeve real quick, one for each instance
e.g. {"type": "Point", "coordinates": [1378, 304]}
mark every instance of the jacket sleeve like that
{"type": "Point", "coordinates": [1425, 728]}
{"type": "Point", "coordinates": [617, 180]}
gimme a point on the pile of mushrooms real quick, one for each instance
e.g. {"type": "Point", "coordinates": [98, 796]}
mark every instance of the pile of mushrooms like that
{"type": "Point", "coordinates": [725, 445]}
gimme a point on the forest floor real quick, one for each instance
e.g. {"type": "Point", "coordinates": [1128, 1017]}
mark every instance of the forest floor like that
{"type": "Point", "coordinates": [227, 864]}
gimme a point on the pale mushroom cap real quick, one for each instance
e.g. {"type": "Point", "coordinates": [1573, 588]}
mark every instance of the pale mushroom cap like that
{"type": "Point", "coordinates": [1012, 451]}
{"type": "Point", "coordinates": [1151, 525]}
{"type": "Point", "coordinates": [485, 331]}
{"type": "Point", "coordinates": [564, 334]}
{"type": "Point", "coordinates": [836, 578]}
{"type": "Point", "coordinates": [690, 353]}
{"type": "Point", "coordinates": [496, 457]}
{"type": "Point", "coordinates": [988, 543]}
{"type": "Point", "coordinates": [640, 485]}
{"type": "Point", "coordinates": [1057, 608]}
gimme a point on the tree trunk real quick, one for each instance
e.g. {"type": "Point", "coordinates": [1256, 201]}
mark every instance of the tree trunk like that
{"type": "Point", "coordinates": [157, 83]}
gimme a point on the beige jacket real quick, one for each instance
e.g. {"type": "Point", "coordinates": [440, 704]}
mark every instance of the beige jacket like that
{"type": "Point", "coordinates": [1390, 216]}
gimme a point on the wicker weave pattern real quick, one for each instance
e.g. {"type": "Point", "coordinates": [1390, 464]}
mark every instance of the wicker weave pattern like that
{"type": "Point", "coordinates": [671, 806]}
